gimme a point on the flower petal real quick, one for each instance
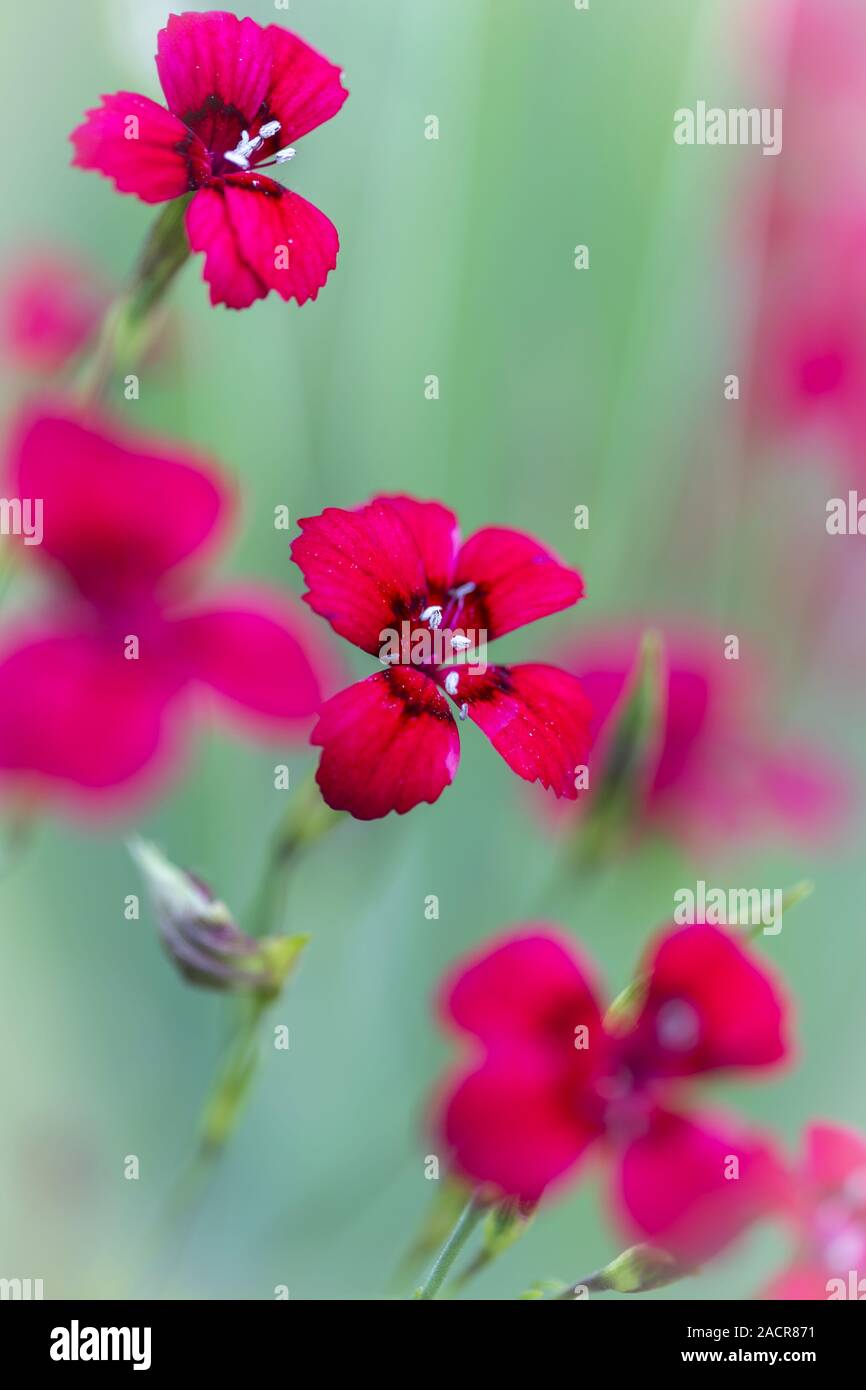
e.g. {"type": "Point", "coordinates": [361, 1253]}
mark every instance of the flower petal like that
{"type": "Point", "coordinates": [711, 1003]}
{"type": "Point", "coordinates": [223, 75]}
{"type": "Point", "coordinates": [719, 771]}
{"type": "Point", "coordinates": [215, 70]}
{"type": "Point", "coordinates": [387, 743]}
{"type": "Point", "coordinates": [510, 1123]}
{"type": "Point", "coordinates": [516, 581]}
{"type": "Point", "coordinates": [363, 569]}
{"type": "Point", "coordinates": [530, 985]}
{"type": "Point", "coordinates": [436, 533]}
{"type": "Point", "coordinates": [209, 229]}
{"type": "Point", "coordinates": [306, 88]}
{"type": "Point", "coordinates": [834, 1155]}
{"type": "Point", "coordinates": [257, 236]}
{"type": "Point", "coordinates": [800, 1282]}
{"type": "Point", "coordinates": [692, 1187]}
{"type": "Point", "coordinates": [804, 791]}
{"type": "Point", "coordinates": [249, 649]}
{"type": "Point", "coordinates": [537, 717]}
{"type": "Point", "coordinates": [288, 243]}
{"type": "Point", "coordinates": [119, 512]}
{"type": "Point", "coordinates": [76, 716]}
{"type": "Point", "coordinates": [142, 147]}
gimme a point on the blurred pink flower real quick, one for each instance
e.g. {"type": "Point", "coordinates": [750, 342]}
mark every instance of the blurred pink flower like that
{"type": "Point", "coordinates": [50, 308]}
{"type": "Point", "coordinates": [819, 48]}
{"type": "Point", "coordinates": [829, 1209]}
{"type": "Point", "coordinates": [807, 384]}
{"type": "Point", "coordinates": [96, 694]}
{"type": "Point", "coordinates": [720, 768]}
{"type": "Point", "coordinates": [550, 1079]}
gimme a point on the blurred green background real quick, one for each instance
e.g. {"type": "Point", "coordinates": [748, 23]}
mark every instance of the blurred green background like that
{"type": "Point", "coordinates": [558, 387]}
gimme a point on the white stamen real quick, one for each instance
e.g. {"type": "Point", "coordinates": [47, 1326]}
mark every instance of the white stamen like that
{"type": "Point", "coordinates": [283, 156]}
{"type": "Point", "coordinates": [432, 616]}
{"type": "Point", "coordinates": [451, 682]}
{"type": "Point", "coordinates": [240, 155]}
{"type": "Point", "coordinates": [462, 590]}
{"type": "Point", "coordinates": [464, 710]}
{"type": "Point", "coordinates": [460, 643]}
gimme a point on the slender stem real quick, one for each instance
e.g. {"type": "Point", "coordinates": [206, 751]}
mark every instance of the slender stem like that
{"type": "Point", "coordinates": [230, 1089]}
{"type": "Point", "coordinates": [306, 819]}
{"type": "Point", "coordinates": [466, 1222]}
{"type": "Point", "coordinates": [126, 328]}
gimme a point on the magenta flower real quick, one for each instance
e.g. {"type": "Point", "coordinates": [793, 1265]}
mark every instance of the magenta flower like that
{"type": "Point", "coordinates": [237, 96]}
{"type": "Point", "coordinates": [551, 1081]}
{"type": "Point", "coordinates": [50, 308]}
{"type": "Point", "coordinates": [96, 694]}
{"type": "Point", "coordinates": [805, 384]}
{"type": "Point", "coordinates": [809, 374]}
{"type": "Point", "coordinates": [720, 769]}
{"type": "Point", "coordinates": [829, 1210]}
{"type": "Point", "coordinates": [393, 579]}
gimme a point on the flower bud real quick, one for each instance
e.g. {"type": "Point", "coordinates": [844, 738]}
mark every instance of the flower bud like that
{"type": "Point", "coordinates": [637, 1270]}
{"type": "Point", "coordinates": [202, 938]}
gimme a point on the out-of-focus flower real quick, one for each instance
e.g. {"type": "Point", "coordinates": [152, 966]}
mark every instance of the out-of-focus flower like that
{"type": "Point", "coordinates": [237, 94]}
{"type": "Point", "coordinates": [805, 387]}
{"type": "Point", "coordinates": [50, 308]}
{"type": "Point", "coordinates": [829, 1210]}
{"type": "Point", "coordinates": [393, 579]}
{"type": "Point", "coordinates": [96, 694]}
{"type": "Point", "coordinates": [551, 1080]}
{"type": "Point", "coordinates": [808, 382]}
{"type": "Point", "coordinates": [202, 938]}
{"type": "Point", "coordinates": [818, 49]}
{"type": "Point", "coordinates": [719, 768]}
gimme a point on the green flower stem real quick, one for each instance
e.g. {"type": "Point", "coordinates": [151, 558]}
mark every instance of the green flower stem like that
{"type": "Point", "coordinates": [219, 1118]}
{"type": "Point", "coordinates": [790, 898]}
{"type": "Point", "coordinates": [446, 1205]}
{"type": "Point", "coordinates": [466, 1223]}
{"type": "Point", "coordinates": [223, 1106]}
{"type": "Point", "coordinates": [128, 324]}
{"type": "Point", "coordinates": [306, 819]}
{"type": "Point", "coordinates": [504, 1224]}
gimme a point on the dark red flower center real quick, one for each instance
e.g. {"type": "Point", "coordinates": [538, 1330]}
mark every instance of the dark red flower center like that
{"type": "Point", "coordinates": [642, 1062]}
{"type": "Point", "coordinates": [428, 635]}
{"type": "Point", "coordinates": [233, 144]}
